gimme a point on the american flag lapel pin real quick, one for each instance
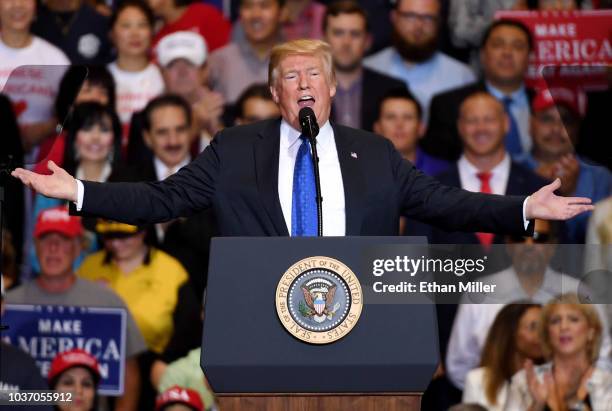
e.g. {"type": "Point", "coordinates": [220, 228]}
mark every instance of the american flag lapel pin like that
{"type": "Point", "coordinates": [353, 154]}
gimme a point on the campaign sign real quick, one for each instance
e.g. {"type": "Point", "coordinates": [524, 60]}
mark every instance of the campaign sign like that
{"type": "Point", "coordinates": [576, 43]}
{"type": "Point", "coordinates": [46, 330]}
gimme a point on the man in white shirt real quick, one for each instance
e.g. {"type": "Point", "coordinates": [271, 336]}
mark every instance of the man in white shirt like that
{"type": "Point", "coordinates": [246, 177]}
{"type": "Point", "coordinates": [183, 56]}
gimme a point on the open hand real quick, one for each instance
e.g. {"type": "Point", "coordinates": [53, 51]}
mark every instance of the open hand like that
{"type": "Point", "coordinates": [59, 184]}
{"type": "Point", "coordinates": [546, 205]}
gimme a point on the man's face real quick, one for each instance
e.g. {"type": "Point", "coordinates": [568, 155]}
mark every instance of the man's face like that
{"type": "Point", "coordinates": [554, 131]}
{"type": "Point", "coordinates": [415, 27]}
{"type": "Point", "coordinates": [183, 77]}
{"type": "Point", "coordinates": [482, 125]}
{"type": "Point", "coordinates": [56, 253]}
{"type": "Point", "coordinates": [399, 122]}
{"type": "Point", "coordinates": [529, 255]}
{"type": "Point", "coordinates": [17, 15]}
{"type": "Point", "coordinates": [170, 135]}
{"type": "Point", "coordinates": [505, 55]}
{"type": "Point", "coordinates": [349, 40]}
{"type": "Point", "coordinates": [301, 81]}
{"type": "Point", "coordinates": [125, 248]}
{"type": "Point", "coordinates": [257, 109]}
{"type": "Point", "coordinates": [260, 19]}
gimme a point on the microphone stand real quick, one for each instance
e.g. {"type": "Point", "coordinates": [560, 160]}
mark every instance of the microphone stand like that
{"type": "Point", "coordinates": [311, 131]}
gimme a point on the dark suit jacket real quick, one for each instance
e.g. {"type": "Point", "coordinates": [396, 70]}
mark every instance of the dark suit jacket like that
{"type": "Point", "coordinates": [186, 239]}
{"type": "Point", "coordinates": [442, 138]}
{"type": "Point", "coordinates": [374, 87]}
{"type": "Point", "coordinates": [237, 175]}
{"type": "Point", "coordinates": [521, 181]}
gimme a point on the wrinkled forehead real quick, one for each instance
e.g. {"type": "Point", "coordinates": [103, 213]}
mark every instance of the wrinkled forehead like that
{"type": "Point", "coordinates": [300, 62]}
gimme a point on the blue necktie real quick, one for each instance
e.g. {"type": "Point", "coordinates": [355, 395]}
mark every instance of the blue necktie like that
{"type": "Point", "coordinates": [304, 203]}
{"type": "Point", "coordinates": [513, 140]}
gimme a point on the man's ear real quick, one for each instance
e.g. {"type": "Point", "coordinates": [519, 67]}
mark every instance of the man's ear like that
{"type": "Point", "coordinates": [422, 129]}
{"type": "Point", "coordinates": [376, 128]}
{"type": "Point", "coordinates": [274, 94]}
{"type": "Point", "coordinates": [146, 136]}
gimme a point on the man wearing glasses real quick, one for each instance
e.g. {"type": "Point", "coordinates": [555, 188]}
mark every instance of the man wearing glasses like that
{"type": "Point", "coordinates": [414, 56]}
{"type": "Point", "coordinates": [529, 278]}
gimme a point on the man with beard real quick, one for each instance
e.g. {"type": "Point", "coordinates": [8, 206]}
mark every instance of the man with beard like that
{"type": "Point", "coordinates": [504, 57]}
{"type": "Point", "coordinates": [530, 278]}
{"type": "Point", "coordinates": [414, 57]}
{"type": "Point", "coordinates": [346, 29]}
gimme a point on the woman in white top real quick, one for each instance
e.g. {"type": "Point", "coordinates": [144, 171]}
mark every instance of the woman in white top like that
{"type": "Point", "coordinates": [138, 80]}
{"type": "Point", "coordinates": [571, 335]}
{"type": "Point", "coordinates": [31, 88]}
{"type": "Point", "coordinates": [512, 338]}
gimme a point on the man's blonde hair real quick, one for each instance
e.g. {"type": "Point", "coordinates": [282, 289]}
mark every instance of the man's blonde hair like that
{"type": "Point", "coordinates": [301, 47]}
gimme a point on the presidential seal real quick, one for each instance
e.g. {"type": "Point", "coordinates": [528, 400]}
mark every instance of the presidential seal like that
{"type": "Point", "coordinates": [319, 300]}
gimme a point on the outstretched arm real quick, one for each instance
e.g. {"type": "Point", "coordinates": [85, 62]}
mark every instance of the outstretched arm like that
{"type": "Point", "coordinates": [59, 184]}
{"type": "Point", "coordinates": [546, 205]}
{"type": "Point", "coordinates": [188, 191]}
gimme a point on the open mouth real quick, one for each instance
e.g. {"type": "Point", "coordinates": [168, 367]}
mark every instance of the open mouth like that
{"type": "Point", "coordinates": [306, 101]}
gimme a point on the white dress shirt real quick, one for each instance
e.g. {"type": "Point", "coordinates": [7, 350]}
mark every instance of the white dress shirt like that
{"type": "Point", "coordinates": [332, 186]}
{"type": "Point", "coordinates": [499, 175]}
{"type": "Point", "coordinates": [162, 171]}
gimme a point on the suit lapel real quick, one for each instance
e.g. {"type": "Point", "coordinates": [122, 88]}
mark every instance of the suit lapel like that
{"type": "Point", "coordinates": [266, 168]}
{"type": "Point", "coordinates": [352, 179]}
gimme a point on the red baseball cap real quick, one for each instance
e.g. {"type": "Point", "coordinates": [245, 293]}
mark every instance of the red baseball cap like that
{"type": "Point", "coordinates": [58, 220]}
{"type": "Point", "coordinates": [73, 358]}
{"type": "Point", "coordinates": [569, 97]}
{"type": "Point", "coordinates": [179, 395]}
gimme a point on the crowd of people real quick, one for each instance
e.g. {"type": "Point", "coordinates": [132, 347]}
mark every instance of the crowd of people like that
{"type": "Point", "coordinates": [133, 90]}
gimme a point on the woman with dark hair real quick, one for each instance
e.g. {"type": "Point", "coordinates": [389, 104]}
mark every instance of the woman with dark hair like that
{"type": "Point", "coordinates": [512, 338]}
{"type": "Point", "coordinates": [571, 334]}
{"type": "Point", "coordinates": [138, 80]}
{"type": "Point", "coordinates": [93, 147]}
{"type": "Point", "coordinates": [80, 84]}
{"type": "Point", "coordinates": [75, 372]}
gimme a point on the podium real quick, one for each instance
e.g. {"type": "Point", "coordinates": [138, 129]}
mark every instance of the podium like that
{"type": "Point", "coordinates": [253, 362]}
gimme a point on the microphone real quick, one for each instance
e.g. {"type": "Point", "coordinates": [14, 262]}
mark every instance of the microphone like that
{"type": "Point", "coordinates": [308, 123]}
{"type": "Point", "coordinates": [310, 128]}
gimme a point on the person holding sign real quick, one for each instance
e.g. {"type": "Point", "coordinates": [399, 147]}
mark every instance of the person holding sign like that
{"type": "Point", "coordinates": [58, 238]}
{"type": "Point", "coordinates": [76, 373]}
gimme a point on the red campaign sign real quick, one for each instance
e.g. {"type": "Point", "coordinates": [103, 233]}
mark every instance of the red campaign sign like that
{"type": "Point", "coordinates": [569, 46]}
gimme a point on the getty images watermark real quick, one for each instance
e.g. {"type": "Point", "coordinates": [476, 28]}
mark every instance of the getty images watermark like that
{"type": "Point", "coordinates": [504, 273]}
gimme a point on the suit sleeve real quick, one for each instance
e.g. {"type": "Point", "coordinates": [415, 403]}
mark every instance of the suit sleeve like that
{"type": "Point", "coordinates": [188, 191]}
{"type": "Point", "coordinates": [453, 209]}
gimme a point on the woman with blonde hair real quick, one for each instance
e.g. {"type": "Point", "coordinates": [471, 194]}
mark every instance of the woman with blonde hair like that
{"type": "Point", "coordinates": [571, 335]}
{"type": "Point", "coordinates": [512, 338]}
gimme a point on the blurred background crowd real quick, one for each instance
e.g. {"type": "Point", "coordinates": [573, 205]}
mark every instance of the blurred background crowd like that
{"type": "Point", "coordinates": [132, 90]}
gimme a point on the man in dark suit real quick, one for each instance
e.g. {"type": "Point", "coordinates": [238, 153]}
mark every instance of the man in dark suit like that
{"type": "Point", "coordinates": [484, 166]}
{"type": "Point", "coordinates": [258, 179]}
{"type": "Point", "coordinates": [168, 133]}
{"type": "Point", "coordinates": [504, 57]}
{"type": "Point", "coordinates": [346, 29]}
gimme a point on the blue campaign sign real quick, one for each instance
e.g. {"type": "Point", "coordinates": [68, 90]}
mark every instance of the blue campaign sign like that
{"type": "Point", "coordinates": [46, 330]}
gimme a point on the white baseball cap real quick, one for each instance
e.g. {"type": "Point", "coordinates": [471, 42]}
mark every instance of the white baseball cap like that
{"type": "Point", "coordinates": [186, 45]}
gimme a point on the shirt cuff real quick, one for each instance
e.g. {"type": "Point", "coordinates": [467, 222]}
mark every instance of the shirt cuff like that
{"type": "Point", "coordinates": [81, 193]}
{"type": "Point", "coordinates": [525, 221]}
